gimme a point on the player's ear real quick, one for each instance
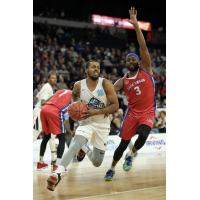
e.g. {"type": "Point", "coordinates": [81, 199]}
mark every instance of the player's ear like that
{"type": "Point", "coordinates": [86, 70]}
{"type": "Point", "coordinates": [86, 67]}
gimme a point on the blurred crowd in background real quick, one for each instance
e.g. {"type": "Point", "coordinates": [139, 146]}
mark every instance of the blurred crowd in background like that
{"type": "Point", "coordinates": [66, 50]}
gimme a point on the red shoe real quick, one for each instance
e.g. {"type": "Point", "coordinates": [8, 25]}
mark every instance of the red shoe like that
{"type": "Point", "coordinates": [81, 155]}
{"type": "Point", "coordinates": [41, 165]}
{"type": "Point", "coordinates": [53, 181]}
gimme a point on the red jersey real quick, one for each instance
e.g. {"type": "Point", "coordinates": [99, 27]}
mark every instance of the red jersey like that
{"type": "Point", "coordinates": [61, 99]}
{"type": "Point", "coordinates": [140, 93]}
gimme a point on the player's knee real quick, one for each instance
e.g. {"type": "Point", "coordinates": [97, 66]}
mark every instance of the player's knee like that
{"type": "Point", "coordinates": [79, 141]}
{"type": "Point", "coordinates": [76, 145]}
{"type": "Point", "coordinates": [46, 138]}
{"type": "Point", "coordinates": [144, 131]}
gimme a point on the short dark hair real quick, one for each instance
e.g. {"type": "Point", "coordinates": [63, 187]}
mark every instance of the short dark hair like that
{"type": "Point", "coordinates": [88, 63]}
{"type": "Point", "coordinates": [53, 72]}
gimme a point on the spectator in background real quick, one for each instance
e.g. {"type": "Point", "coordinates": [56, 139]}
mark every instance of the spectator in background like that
{"type": "Point", "coordinates": [163, 104]}
{"type": "Point", "coordinates": [36, 81]}
{"type": "Point", "coordinates": [42, 96]}
{"type": "Point", "coordinates": [116, 120]}
{"type": "Point", "coordinates": [66, 51]}
{"type": "Point", "coordinates": [122, 100]}
{"type": "Point", "coordinates": [61, 83]}
{"type": "Point", "coordinates": [160, 122]}
{"type": "Point", "coordinates": [163, 90]}
{"type": "Point", "coordinates": [35, 92]}
{"type": "Point", "coordinates": [155, 129]}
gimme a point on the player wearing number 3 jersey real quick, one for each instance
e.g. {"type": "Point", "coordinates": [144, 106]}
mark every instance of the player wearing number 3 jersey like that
{"type": "Point", "coordinates": [139, 91]}
{"type": "Point", "coordinates": [138, 86]}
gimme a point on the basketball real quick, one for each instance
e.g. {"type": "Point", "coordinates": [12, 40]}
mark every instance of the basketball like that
{"type": "Point", "coordinates": [76, 110]}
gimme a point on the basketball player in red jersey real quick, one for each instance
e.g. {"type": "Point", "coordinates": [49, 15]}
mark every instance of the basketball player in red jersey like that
{"type": "Point", "coordinates": [53, 115]}
{"type": "Point", "coordinates": [138, 86]}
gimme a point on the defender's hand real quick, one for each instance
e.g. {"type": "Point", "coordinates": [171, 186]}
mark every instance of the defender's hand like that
{"type": "Point", "coordinates": [133, 16]}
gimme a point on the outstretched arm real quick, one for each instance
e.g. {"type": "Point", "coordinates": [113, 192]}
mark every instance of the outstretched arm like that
{"type": "Point", "coordinates": [144, 53]}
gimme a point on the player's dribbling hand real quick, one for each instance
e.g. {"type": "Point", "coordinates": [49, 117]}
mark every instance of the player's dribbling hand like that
{"type": "Point", "coordinates": [90, 112]}
{"type": "Point", "coordinates": [84, 115]}
{"type": "Point", "coordinates": [133, 16]}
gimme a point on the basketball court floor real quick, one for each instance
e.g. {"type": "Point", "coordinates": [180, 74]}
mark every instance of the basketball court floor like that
{"type": "Point", "coordinates": [82, 181]}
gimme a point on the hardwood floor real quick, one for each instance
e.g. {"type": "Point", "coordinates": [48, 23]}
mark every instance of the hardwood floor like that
{"type": "Point", "coordinates": [145, 181]}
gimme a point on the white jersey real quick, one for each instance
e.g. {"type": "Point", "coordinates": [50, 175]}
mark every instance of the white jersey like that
{"type": "Point", "coordinates": [45, 93]}
{"type": "Point", "coordinates": [96, 99]}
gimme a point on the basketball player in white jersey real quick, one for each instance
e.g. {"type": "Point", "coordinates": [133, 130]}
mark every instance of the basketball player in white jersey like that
{"type": "Point", "coordinates": [43, 95]}
{"type": "Point", "coordinates": [101, 98]}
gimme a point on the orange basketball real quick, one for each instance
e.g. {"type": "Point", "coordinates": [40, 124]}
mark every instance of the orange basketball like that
{"type": "Point", "coordinates": [76, 110]}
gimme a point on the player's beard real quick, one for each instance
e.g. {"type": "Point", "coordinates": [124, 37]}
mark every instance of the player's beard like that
{"type": "Point", "coordinates": [94, 78]}
{"type": "Point", "coordinates": [133, 69]}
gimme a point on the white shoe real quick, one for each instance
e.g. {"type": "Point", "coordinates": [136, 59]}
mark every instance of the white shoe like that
{"type": "Point", "coordinates": [60, 169]}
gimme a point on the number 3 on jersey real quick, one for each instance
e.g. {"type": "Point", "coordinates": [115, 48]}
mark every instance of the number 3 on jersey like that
{"type": "Point", "coordinates": [137, 90]}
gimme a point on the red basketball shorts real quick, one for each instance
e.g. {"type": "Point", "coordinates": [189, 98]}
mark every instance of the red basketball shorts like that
{"type": "Point", "coordinates": [52, 120]}
{"type": "Point", "coordinates": [131, 122]}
